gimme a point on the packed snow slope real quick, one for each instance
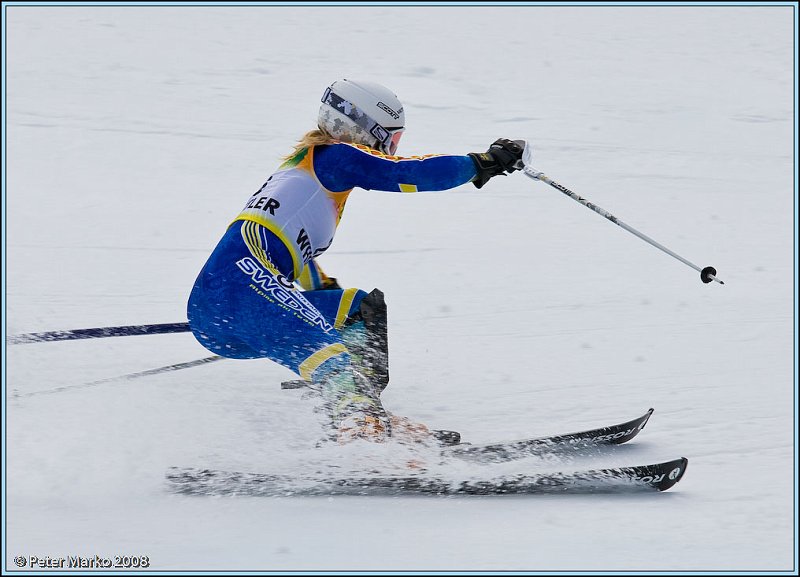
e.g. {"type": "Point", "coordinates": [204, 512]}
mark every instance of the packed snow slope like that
{"type": "Point", "coordinates": [136, 133]}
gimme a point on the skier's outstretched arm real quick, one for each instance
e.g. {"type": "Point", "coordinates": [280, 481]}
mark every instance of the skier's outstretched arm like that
{"type": "Point", "coordinates": [343, 166]}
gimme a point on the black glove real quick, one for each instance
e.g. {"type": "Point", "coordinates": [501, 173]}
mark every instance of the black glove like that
{"type": "Point", "coordinates": [501, 158]}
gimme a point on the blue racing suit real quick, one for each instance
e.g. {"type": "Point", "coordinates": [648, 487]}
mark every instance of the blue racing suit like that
{"type": "Point", "coordinates": [245, 302]}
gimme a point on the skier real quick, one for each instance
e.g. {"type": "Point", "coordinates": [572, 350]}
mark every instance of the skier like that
{"type": "Point", "coordinates": [246, 302]}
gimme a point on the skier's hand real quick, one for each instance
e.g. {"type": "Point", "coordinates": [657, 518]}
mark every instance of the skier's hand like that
{"type": "Point", "coordinates": [330, 283]}
{"type": "Point", "coordinates": [503, 157]}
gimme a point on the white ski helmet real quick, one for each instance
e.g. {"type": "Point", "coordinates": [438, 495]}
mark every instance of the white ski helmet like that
{"type": "Point", "coordinates": [362, 113]}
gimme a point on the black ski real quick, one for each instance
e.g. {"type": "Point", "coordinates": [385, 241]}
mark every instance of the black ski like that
{"type": "Point", "coordinates": [570, 443]}
{"type": "Point", "coordinates": [575, 443]}
{"type": "Point", "coordinates": [658, 477]}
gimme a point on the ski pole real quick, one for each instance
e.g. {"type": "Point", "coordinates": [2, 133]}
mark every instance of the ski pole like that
{"type": "Point", "coordinates": [120, 378]}
{"type": "Point", "coordinates": [707, 274]}
{"type": "Point", "coordinates": [99, 333]}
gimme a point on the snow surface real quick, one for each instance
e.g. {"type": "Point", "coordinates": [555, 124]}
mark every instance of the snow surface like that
{"type": "Point", "coordinates": [136, 133]}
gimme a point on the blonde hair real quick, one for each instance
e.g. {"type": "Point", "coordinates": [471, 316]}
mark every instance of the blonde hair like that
{"type": "Point", "coordinates": [311, 138]}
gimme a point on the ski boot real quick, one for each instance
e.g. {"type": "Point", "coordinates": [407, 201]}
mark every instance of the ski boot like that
{"type": "Point", "coordinates": [365, 334]}
{"type": "Point", "coordinates": [355, 409]}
